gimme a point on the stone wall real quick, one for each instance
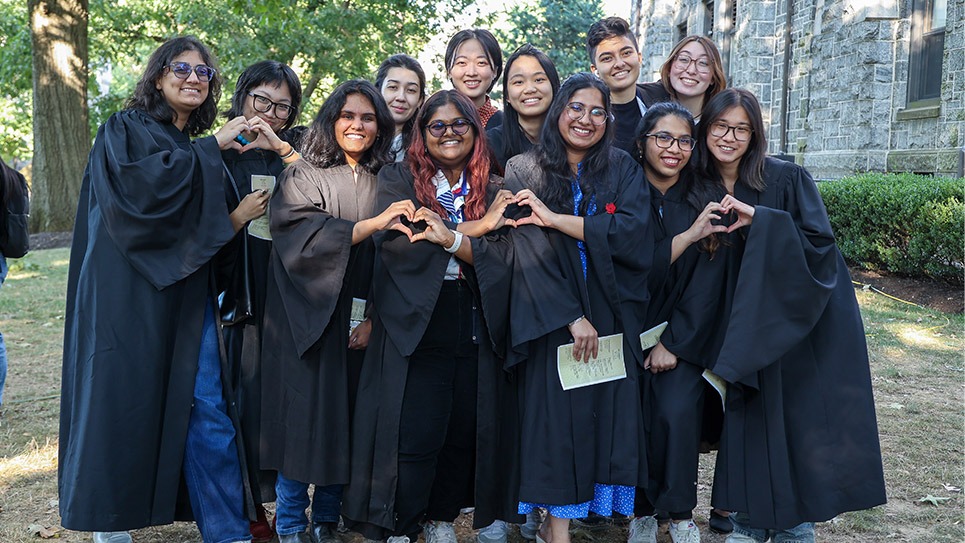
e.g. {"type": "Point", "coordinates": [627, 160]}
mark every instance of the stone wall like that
{"type": "Point", "coordinates": [846, 82]}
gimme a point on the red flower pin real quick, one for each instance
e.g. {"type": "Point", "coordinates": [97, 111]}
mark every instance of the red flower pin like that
{"type": "Point", "coordinates": [611, 208]}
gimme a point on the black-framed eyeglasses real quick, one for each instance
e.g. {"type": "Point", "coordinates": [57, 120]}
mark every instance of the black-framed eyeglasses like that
{"type": "Point", "coordinates": [665, 141]}
{"type": "Point", "coordinates": [459, 127]}
{"type": "Point", "coordinates": [577, 110]}
{"type": "Point", "coordinates": [720, 129]}
{"type": "Point", "coordinates": [182, 70]}
{"type": "Point", "coordinates": [683, 63]}
{"type": "Point", "coordinates": [263, 104]}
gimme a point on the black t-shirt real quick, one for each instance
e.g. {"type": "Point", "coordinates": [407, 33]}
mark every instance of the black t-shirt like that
{"type": "Point", "coordinates": [626, 118]}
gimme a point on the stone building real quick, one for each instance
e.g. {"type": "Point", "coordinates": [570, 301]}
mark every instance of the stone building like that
{"type": "Point", "coordinates": [845, 85]}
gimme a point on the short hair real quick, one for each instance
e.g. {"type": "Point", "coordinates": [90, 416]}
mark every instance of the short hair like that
{"type": "Point", "coordinates": [273, 73]}
{"type": "Point", "coordinates": [718, 81]}
{"type": "Point", "coordinates": [150, 100]}
{"type": "Point", "coordinates": [493, 53]}
{"type": "Point", "coordinates": [611, 27]}
{"type": "Point", "coordinates": [319, 146]}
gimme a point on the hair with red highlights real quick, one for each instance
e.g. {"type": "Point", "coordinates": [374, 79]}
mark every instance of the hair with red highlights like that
{"type": "Point", "coordinates": [424, 168]}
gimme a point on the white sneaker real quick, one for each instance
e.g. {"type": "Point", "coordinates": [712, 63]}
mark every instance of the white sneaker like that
{"type": "Point", "coordinates": [497, 532]}
{"type": "Point", "coordinates": [529, 529]}
{"type": "Point", "coordinates": [642, 530]}
{"type": "Point", "coordinates": [393, 539]}
{"type": "Point", "coordinates": [112, 537]}
{"type": "Point", "coordinates": [437, 531]}
{"type": "Point", "coordinates": [684, 531]}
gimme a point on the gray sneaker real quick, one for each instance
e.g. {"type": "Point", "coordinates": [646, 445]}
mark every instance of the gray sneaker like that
{"type": "Point", "coordinates": [112, 537]}
{"type": "Point", "coordinates": [392, 539]}
{"type": "Point", "coordinates": [322, 533]}
{"type": "Point", "coordinates": [642, 530]}
{"type": "Point", "coordinates": [437, 531]}
{"type": "Point", "coordinates": [529, 529]}
{"type": "Point", "coordinates": [684, 531]}
{"type": "Point", "coordinates": [497, 532]}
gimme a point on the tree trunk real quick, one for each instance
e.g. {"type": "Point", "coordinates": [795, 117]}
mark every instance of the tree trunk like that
{"type": "Point", "coordinates": [58, 30]}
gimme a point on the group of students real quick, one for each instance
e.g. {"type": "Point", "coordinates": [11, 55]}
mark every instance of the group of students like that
{"type": "Point", "coordinates": [390, 331]}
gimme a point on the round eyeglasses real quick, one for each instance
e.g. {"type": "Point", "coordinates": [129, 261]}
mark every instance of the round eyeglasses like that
{"type": "Point", "coordinates": [182, 70]}
{"type": "Point", "coordinates": [459, 127]}
{"type": "Point", "coordinates": [577, 110]}
{"type": "Point", "coordinates": [683, 62]}
{"type": "Point", "coordinates": [665, 141]}
{"type": "Point", "coordinates": [720, 129]}
{"type": "Point", "coordinates": [263, 104]}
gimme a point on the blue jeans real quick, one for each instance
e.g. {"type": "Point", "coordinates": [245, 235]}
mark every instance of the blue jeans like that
{"type": "Point", "coordinates": [3, 346]}
{"type": "Point", "coordinates": [212, 470]}
{"type": "Point", "coordinates": [802, 533]}
{"type": "Point", "coordinates": [292, 501]}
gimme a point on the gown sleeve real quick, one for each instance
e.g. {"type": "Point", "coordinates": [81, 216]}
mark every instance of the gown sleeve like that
{"type": "Point", "coordinates": [313, 247]}
{"type": "Point", "coordinates": [787, 275]}
{"type": "Point", "coordinates": [162, 204]}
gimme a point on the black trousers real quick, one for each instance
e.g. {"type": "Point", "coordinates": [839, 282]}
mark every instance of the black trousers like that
{"type": "Point", "coordinates": [437, 434]}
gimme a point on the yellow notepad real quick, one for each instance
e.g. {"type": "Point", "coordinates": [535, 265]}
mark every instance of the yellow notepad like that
{"type": "Point", "coordinates": [607, 366]}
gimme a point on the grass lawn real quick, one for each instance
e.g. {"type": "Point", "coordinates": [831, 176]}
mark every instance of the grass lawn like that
{"type": "Point", "coordinates": [916, 360]}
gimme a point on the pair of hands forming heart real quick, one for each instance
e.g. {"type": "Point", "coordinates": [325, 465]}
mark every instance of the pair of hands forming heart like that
{"type": "Point", "coordinates": [256, 131]}
{"type": "Point", "coordinates": [725, 216]}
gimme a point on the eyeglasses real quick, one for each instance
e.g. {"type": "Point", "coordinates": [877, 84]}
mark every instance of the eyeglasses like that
{"type": "Point", "coordinates": [576, 111]}
{"type": "Point", "coordinates": [682, 62]}
{"type": "Point", "coordinates": [665, 141]}
{"type": "Point", "coordinates": [459, 127]}
{"type": "Point", "coordinates": [720, 130]}
{"type": "Point", "coordinates": [263, 104]}
{"type": "Point", "coordinates": [182, 70]}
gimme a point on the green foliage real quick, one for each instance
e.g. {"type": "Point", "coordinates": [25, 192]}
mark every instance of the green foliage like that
{"type": "Point", "coordinates": [907, 224]}
{"type": "Point", "coordinates": [16, 140]}
{"type": "Point", "coordinates": [558, 27]}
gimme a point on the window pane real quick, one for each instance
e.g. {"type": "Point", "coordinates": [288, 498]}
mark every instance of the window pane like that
{"type": "Point", "coordinates": [939, 13]}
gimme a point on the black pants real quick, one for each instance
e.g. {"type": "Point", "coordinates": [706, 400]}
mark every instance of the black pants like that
{"type": "Point", "coordinates": [437, 434]}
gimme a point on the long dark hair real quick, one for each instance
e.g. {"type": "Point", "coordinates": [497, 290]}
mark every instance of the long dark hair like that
{"type": "Point", "coordinates": [514, 139]}
{"type": "Point", "coordinates": [269, 72]}
{"type": "Point", "coordinates": [424, 168]}
{"type": "Point", "coordinates": [489, 44]}
{"type": "Point", "coordinates": [319, 146]}
{"type": "Point", "coordinates": [750, 171]}
{"type": "Point", "coordinates": [718, 81]}
{"type": "Point", "coordinates": [650, 118]}
{"type": "Point", "coordinates": [411, 64]}
{"type": "Point", "coordinates": [150, 100]}
{"type": "Point", "coordinates": [551, 150]}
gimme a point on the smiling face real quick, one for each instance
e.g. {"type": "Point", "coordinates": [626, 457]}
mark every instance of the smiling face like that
{"type": "Point", "coordinates": [617, 61]}
{"type": "Point", "coordinates": [580, 135]}
{"type": "Point", "coordinates": [183, 95]}
{"type": "Point", "coordinates": [663, 166]}
{"type": "Point", "coordinates": [356, 128]}
{"type": "Point", "coordinates": [276, 92]}
{"type": "Point", "coordinates": [472, 73]}
{"type": "Point", "coordinates": [402, 94]}
{"type": "Point", "coordinates": [692, 80]}
{"type": "Point", "coordinates": [450, 150]}
{"type": "Point", "coordinates": [530, 91]}
{"type": "Point", "coordinates": [727, 151]}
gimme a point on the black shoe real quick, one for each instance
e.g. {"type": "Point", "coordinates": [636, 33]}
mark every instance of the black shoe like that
{"type": "Point", "coordinates": [323, 533]}
{"type": "Point", "coordinates": [719, 524]}
{"type": "Point", "coordinates": [299, 537]}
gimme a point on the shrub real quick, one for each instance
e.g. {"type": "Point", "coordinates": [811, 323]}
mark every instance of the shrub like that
{"type": "Point", "coordinates": [902, 223]}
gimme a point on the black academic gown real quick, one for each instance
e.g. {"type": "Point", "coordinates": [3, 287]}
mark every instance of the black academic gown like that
{"type": "Point", "coordinates": [314, 273]}
{"type": "Point", "coordinates": [574, 439]}
{"type": "Point", "coordinates": [151, 216]}
{"type": "Point", "coordinates": [800, 439]}
{"type": "Point", "coordinates": [406, 284]}
{"type": "Point", "coordinates": [243, 340]}
{"type": "Point", "coordinates": [497, 143]}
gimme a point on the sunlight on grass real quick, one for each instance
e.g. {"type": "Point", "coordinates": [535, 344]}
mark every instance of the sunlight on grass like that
{"type": "Point", "coordinates": [34, 460]}
{"type": "Point", "coordinates": [916, 337]}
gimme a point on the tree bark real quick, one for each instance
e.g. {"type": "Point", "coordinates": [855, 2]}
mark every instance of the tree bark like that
{"type": "Point", "coordinates": [58, 30]}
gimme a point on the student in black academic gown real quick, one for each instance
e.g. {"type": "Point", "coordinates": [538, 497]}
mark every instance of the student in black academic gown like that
{"type": "Point", "coordinates": [582, 449]}
{"type": "Point", "coordinates": [145, 405]}
{"type": "Point", "coordinates": [529, 83]}
{"type": "Point", "coordinates": [800, 440]}
{"type": "Point", "coordinates": [692, 74]}
{"type": "Point", "coordinates": [674, 390]}
{"type": "Point", "coordinates": [437, 435]}
{"type": "Point", "coordinates": [322, 220]}
{"type": "Point", "coordinates": [402, 82]}
{"type": "Point", "coordinates": [268, 94]}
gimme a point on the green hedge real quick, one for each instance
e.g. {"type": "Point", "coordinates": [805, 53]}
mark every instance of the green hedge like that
{"type": "Point", "coordinates": [902, 223]}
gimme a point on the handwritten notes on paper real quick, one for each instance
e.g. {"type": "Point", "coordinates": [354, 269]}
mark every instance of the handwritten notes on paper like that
{"type": "Point", "coordinates": [607, 366]}
{"type": "Point", "coordinates": [259, 227]}
{"type": "Point", "coordinates": [652, 336]}
{"type": "Point", "coordinates": [358, 313]}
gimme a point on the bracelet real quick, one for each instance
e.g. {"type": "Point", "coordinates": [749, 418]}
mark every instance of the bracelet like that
{"type": "Point", "coordinates": [581, 317]}
{"type": "Point", "coordinates": [456, 243]}
{"type": "Point", "coordinates": [290, 152]}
